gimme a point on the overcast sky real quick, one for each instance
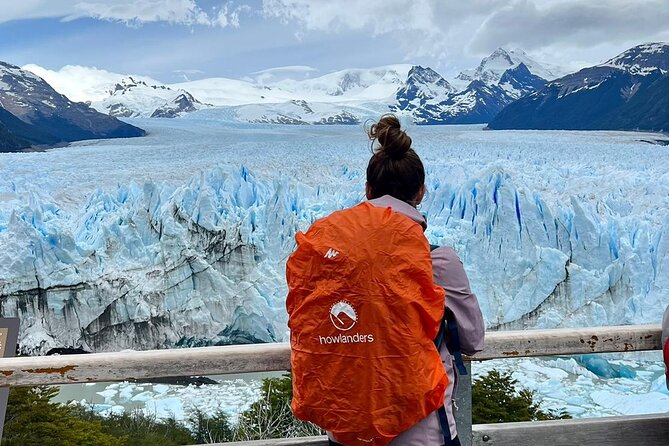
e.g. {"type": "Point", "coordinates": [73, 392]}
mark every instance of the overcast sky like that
{"type": "Point", "coordinates": [172, 39]}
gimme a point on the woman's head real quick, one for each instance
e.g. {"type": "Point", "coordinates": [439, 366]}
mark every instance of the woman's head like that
{"type": "Point", "coordinates": [395, 169]}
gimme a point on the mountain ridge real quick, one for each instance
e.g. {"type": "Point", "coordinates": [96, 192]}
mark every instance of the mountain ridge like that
{"type": "Point", "coordinates": [627, 92]}
{"type": "Point", "coordinates": [419, 92]}
{"type": "Point", "coordinates": [33, 113]}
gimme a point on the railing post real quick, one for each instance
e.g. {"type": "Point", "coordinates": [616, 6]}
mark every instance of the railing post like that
{"type": "Point", "coordinates": [463, 402]}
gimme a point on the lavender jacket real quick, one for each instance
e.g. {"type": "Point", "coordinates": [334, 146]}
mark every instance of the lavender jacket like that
{"type": "Point", "coordinates": [665, 338]}
{"type": "Point", "coordinates": [450, 274]}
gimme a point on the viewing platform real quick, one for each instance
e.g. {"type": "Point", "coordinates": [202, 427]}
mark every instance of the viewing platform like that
{"type": "Point", "coordinates": [642, 430]}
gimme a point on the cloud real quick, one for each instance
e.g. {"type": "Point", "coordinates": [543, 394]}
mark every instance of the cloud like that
{"type": "Point", "coordinates": [80, 83]}
{"type": "Point", "coordinates": [142, 11]}
{"type": "Point", "coordinates": [130, 12]}
{"type": "Point", "coordinates": [448, 30]}
{"type": "Point", "coordinates": [537, 25]}
{"type": "Point", "coordinates": [448, 35]}
{"type": "Point", "coordinates": [381, 17]}
{"type": "Point", "coordinates": [296, 72]}
{"type": "Point", "coordinates": [186, 75]}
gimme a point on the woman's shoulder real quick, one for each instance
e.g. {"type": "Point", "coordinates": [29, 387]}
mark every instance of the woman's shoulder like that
{"type": "Point", "coordinates": [445, 253]}
{"type": "Point", "coordinates": [447, 267]}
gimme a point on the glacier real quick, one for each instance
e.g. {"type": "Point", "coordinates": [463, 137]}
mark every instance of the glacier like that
{"type": "Point", "coordinates": [180, 238]}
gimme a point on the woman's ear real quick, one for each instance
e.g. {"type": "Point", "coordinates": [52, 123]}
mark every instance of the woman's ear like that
{"type": "Point", "coordinates": [421, 194]}
{"type": "Point", "coordinates": [368, 191]}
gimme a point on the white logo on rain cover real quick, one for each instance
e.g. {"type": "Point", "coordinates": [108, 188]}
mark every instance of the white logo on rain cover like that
{"type": "Point", "coordinates": [343, 316]}
{"type": "Point", "coordinates": [331, 254]}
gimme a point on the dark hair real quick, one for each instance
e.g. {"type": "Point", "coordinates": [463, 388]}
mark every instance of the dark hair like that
{"type": "Point", "coordinates": [395, 169]}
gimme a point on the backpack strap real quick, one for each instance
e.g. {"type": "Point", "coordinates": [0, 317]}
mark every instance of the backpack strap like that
{"type": "Point", "coordinates": [453, 341]}
{"type": "Point", "coordinates": [445, 429]}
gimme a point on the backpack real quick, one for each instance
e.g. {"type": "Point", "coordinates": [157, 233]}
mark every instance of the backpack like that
{"type": "Point", "coordinates": [363, 312]}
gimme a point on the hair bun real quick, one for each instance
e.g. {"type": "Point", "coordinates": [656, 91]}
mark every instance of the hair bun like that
{"type": "Point", "coordinates": [393, 141]}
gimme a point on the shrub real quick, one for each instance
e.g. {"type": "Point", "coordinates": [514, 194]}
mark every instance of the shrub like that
{"type": "Point", "coordinates": [32, 419]}
{"type": "Point", "coordinates": [495, 399]}
{"type": "Point", "coordinates": [138, 429]}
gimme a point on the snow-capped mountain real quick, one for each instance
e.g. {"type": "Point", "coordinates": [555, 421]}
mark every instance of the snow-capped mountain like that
{"type": "Point", "coordinates": [356, 84]}
{"type": "Point", "coordinates": [520, 81]}
{"type": "Point", "coordinates": [492, 68]}
{"type": "Point", "coordinates": [343, 96]}
{"type": "Point", "coordinates": [33, 113]}
{"type": "Point", "coordinates": [418, 92]}
{"type": "Point", "coordinates": [132, 98]}
{"type": "Point", "coordinates": [296, 112]}
{"type": "Point", "coordinates": [430, 99]}
{"type": "Point", "coordinates": [642, 59]}
{"type": "Point", "coordinates": [628, 92]}
{"type": "Point", "coordinates": [422, 85]}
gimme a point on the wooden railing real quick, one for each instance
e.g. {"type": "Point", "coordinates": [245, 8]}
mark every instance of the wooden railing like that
{"type": "Point", "coordinates": [138, 365]}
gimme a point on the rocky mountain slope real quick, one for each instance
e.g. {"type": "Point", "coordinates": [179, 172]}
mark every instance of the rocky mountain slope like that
{"type": "Point", "coordinates": [628, 92]}
{"type": "Point", "coordinates": [132, 98]}
{"type": "Point", "coordinates": [33, 114]}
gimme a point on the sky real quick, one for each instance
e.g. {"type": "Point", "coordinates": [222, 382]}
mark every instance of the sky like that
{"type": "Point", "coordinates": [172, 40]}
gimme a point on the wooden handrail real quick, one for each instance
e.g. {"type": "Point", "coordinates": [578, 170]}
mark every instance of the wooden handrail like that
{"type": "Point", "coordinates": [570, 341]}
{"type": "Point", "coordinates": [646, 430]}
{"type": "Point", "coordinates": [137, 365]}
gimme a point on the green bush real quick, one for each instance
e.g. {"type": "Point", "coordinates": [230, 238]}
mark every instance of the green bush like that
{"type": "Point", "coordinates": [135, 428]}
{"type": "Point", "coordinates": [32, 419]}
{"type": "Point", "coordinates": [495, 399]}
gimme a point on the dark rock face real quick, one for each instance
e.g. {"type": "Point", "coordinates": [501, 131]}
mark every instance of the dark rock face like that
{"type": "Point", "coordinates": [521, 80]}
{"type": "Point", "coordinates": [184, 103]}
{"type": "Point", "coordinates": [33, 113]}
{"type": "Point", "coordinates": [343, 118]}
{"type": "Point", "coordinates": [641, 58]}
{"type": "Point", "coordinates": [132, 98]}
{"type": "Point", "coordinates": [9, 141]}
{"type": "Point", "coordinates": [477, 104]}
{"type": "Point", "coordinates": [628, 92]}
{"type": "Point", "coordinates": [279, 119]}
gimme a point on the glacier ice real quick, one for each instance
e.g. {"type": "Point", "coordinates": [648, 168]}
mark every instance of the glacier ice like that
{"type": "Point", "coordinates": [565, 384]}
{"type": "Point", "coordinates": [180, 238]}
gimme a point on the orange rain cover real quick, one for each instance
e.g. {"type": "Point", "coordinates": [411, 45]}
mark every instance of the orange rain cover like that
{"type": "Point", "coordinates": [363, 311]}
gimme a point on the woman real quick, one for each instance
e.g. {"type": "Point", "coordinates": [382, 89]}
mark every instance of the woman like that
{"type": "Point", "coordinates": [396, 179]}
{"type": "Point", "coordinates": [316, 275]}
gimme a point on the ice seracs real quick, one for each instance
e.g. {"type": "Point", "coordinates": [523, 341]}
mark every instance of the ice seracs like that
{"type": "Point", "coordinates": [174, 243]}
